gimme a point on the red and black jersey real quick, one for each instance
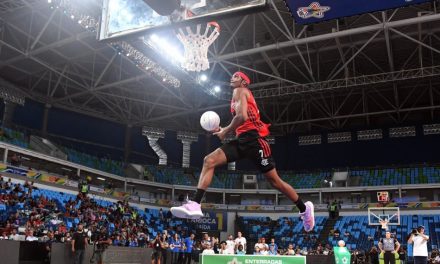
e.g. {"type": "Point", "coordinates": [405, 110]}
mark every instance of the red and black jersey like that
{"type": "Point", "coordinates": [253, 122]}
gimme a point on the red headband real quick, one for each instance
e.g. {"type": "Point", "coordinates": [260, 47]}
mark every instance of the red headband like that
{"type": "Point", "coordinates": [244, 77]}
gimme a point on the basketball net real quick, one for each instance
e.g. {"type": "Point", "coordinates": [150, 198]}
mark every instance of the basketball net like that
{"type": "Point", "coordinates": [196, 46]}
{"type": "Point", "coordinates": [384, 224]}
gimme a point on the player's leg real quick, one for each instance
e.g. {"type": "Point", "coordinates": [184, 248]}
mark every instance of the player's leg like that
{"type": "Point", "coordinates": [261, 153]}
{"type": "Point", "coordinates": [192, 209]}
{"type": "Point", "coordinates": [306, 209]}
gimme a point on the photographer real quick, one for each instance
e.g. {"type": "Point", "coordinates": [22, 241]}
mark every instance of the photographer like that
{"type": "Point", "coordinates": [420, 245]}
{"type": "Point", "coordinates": [157, 250]}
{"type": "Point", "coordinates": [101, 241]}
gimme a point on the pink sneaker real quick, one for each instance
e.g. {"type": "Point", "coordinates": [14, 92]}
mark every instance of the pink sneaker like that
{"type": "Point", "coordinates": [308, 217]}
{"type": "Point", "coordinates": [191, 210]}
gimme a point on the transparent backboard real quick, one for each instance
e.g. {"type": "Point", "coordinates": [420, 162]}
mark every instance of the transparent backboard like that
{"type": "Point", "coordinates": [378, 215]}
{"type": "Point", "coordinates": [125, 17]}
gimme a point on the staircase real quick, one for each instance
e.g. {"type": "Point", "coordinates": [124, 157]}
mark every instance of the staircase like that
{"type": "Point", "coordinates": [329, 225]}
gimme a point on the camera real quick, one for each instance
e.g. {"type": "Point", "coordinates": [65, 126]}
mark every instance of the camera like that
{"type": "Point", "coordinates": [414, 232]}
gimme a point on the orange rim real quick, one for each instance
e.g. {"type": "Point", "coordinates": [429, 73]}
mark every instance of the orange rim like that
{"type": "Point", "coordinates": [214, 24]}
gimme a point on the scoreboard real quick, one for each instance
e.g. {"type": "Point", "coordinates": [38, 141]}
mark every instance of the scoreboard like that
{"type": "Point", "coordinates": [310, 11]}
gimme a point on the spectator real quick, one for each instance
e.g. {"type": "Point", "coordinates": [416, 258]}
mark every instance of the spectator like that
{"type": "Point", "coordinates": [79, 242]}
{"type": "Point", "coordinates": [157, 250]}
{"type": "Point", "coordinates": [290, 250]}
{"type": "Point", "coordinates": [272, 243]}
{"type": "Point", "coordinates": [189, 243]}
{"type": "Point", "coordinates": [208, 250]}
{"type": "Point", "coordinates": [374, 256]}
{"type": "Point", "coordinates": [402, 255]}
{"type": "Point", "coordinates": [230, 245]}
{"type": "Point", "coordinates": [4, 236]}
{"type": "Point", "coordinates": [48, 247]}
{"type": "Point", "coordinates": [222, 250]}
{"type": "Point", "coordinates": [175, 245]}
{"type": "Point", "coordinates": [14, 235]}
{"type": "Point", "coordinates": [240, 240]}
{"type": "Point", "coordinates": [240, 250]}
{"type": "Point", "coordinates": [196, 252]}
{"type": "Point", "coordinates": [272, 250]}
{"type": "Point", "coordinates": [30, 236]}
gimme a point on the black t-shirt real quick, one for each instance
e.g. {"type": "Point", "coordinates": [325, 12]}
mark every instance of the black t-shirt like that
{"type": "Point", "coordinates": [79, 240]}
{"type": "Point", "coordinates": [156, 245]}
{"type": "Point", "coordinates": [103, 237]}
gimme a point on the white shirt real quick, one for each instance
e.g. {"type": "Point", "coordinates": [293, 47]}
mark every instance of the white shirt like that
{"type": "Point", "coordinates": [230, 247]}
{"type": "Point", "coordinates": [262, 246]}
{"type": "Point", "coordinates": [420, 247]}
{"type": "Point", "coordinates": [208, 251]}
{"type": "Point", "coordinates": [242, 241]}
{"type": "Point", "coordinates": [31, 238]}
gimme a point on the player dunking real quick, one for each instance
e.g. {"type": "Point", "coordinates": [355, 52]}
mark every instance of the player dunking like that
{"type": "Point", "coordinates": [250, 143]}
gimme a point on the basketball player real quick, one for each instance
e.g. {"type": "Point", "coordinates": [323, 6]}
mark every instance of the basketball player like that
{"type": "Point", "coordinates": [250, 143]}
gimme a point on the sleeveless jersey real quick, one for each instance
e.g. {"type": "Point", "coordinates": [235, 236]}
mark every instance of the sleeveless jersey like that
{"type": "Point", "coordinates": [253, 122]}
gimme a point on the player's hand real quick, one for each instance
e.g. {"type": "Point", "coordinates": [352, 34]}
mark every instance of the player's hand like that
{"type": "Point", "coordinates": [73, 250]}
{"type": "Point", "coordinates": [221, 133]}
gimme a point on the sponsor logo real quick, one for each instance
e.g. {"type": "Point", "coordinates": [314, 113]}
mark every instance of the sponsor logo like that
{"type": "Point", "coordinates": [313, 10]}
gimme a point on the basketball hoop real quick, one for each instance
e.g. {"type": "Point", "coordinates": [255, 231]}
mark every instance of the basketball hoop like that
{"type": "Point", "coordinates": [196, 46]}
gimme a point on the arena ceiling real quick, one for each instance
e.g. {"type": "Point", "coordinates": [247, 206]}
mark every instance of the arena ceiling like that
{"type": "Point", "coordinates": [373, 70]}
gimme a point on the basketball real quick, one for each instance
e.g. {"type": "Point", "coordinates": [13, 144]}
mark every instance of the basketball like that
{"type": "Point", "coordinates": [210, 121]}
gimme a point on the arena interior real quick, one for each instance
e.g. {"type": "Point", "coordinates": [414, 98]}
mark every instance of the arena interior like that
{"type": "Point", "coordinates": [101, 129]}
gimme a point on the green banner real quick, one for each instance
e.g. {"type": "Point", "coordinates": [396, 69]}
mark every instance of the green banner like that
{"type": "Point", "coordinates": [252, 259]}
{"type": "Point", "coordinates": [342, 255]}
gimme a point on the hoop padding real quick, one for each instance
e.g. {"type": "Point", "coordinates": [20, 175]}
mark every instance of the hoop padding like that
{"type": "Point", "coordinates": [196, 47]}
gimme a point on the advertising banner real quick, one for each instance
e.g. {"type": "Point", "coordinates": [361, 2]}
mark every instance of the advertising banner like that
{"type": "Point", "coordinates": [252, 259]}
{"type": "Point", "coordinates": [211, 221]}
{"type": "Point", "coordinates": [313, 11]}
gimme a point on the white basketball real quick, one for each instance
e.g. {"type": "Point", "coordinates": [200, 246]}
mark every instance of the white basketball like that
{"type": "Point", "coordinates": [210, 121]}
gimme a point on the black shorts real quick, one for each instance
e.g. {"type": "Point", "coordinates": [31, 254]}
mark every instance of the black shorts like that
{"type": "Point", "coordinates": [249, 145]}
{"type": "Point", "coordinates": [156, 254]}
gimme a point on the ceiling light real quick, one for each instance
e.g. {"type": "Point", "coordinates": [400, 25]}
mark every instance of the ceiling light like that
{"type": "Point", "coordinates": [203, 78]}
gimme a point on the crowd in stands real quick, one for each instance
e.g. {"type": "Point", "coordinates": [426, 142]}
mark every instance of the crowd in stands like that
{"type": "Point", "coordinates": [231, 180]}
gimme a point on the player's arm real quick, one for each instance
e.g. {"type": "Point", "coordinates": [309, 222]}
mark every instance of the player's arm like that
{"type": "Point", "coordinates": [241, 115]}
{"type": "Point", "coordinates": [380, 246]}
{"type": "Point", "coordinates": [397, 245]}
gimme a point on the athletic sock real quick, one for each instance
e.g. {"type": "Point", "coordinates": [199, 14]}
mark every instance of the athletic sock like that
{"type": "Point", "coordinates": [301, 206]}
{"type": "Point", "coordinates": [199, 195]}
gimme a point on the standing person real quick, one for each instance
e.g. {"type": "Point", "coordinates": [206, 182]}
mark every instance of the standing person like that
{"type": "Point", "coordinates": [189, 242]}
{"type": "Point", "coordinates": [402, 255]}
{"type": "Point", "coordinates": [175, 245]}
{"type": "Point", "coordinates": [230, 245]}
{"type": "Point", "coordinates": [389, 246]}
{"type": "Point", "coordinates": [373, 255]}
{"type": "Point", "coordinates": [157, 250]}
{"type": "Point", "coordinates": [240, 240]}
{"type": "Point", "coordinates": [165, 246]}
{"type": "Point", "coordinates": [250, 143]}
{"type": "Point", "coordinates": [420, 245]}
{"type": "Point", "coordinates": [79, 242]}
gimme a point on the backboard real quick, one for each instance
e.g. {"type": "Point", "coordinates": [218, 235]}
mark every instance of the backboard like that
{"type": "Point", "coordinates": [122, 18]}
{"type": "Point", "coordinates": [379, 215]}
